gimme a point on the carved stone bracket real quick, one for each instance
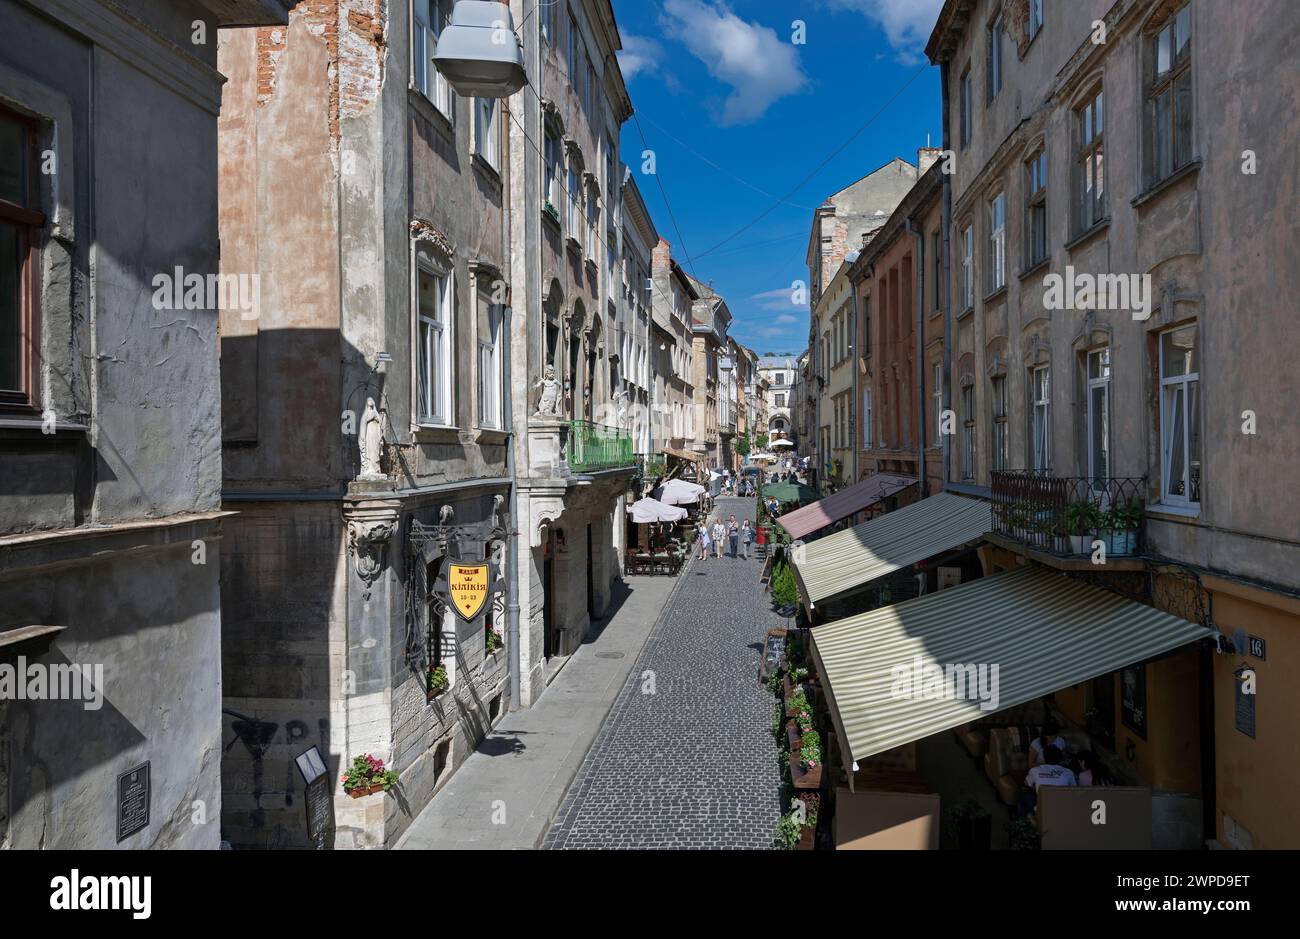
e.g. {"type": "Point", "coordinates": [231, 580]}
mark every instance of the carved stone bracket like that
{"type": "Point", "coordinates": [370, 528]}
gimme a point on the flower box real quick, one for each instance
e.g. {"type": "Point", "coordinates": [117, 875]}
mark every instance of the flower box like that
{"type": "Point", "coordinates": [805, 778]}
{"type": "Point", "coordinates": [792, 737]}
{"type": "Point", "coordinates": [361, 792]}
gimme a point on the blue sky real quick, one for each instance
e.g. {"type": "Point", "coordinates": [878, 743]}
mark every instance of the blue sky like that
{"type": "Point", "coordinates": [738, 114]}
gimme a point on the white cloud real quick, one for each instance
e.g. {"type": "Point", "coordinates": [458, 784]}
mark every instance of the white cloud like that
{"type": "Point", "coordinates": [780, 299]}
{"type": "Point", "coordinates": [639, 55]}
{"type": "Point", "coordinates": [759, 66]}
{"type": "Point", "coordinates": [786, 319]}
{"type": "Point", "coordinates": [907, 23]}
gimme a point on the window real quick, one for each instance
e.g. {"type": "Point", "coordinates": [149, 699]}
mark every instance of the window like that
{"type": "Point", "coordinates": [1036, 208]}
{"type": "Point", "coordinates": [435, 318]}
{"type": "Point", "coordinates": [20, 227]}
{"type": "Point", "coordinates": [589, 93]}
{"type": "Point", "coordinates": [866, 326]}
{"type": "Point", "coordinates": [574, 38]}
{"type": "Point", "coordinates": [1180, 425]}
{"type": "Point", "coordinates": [552, 160]}
{"type": "Point", "coordinates": [550, 22]}
{"type": "Point", "coordinates": [1090, 201]}
{"type": "Point", "coordinates": [778, 378]}
{"type": "Point", "coordinates": [965, 107]}
{"type": "Point", "coordinates": [487, 135]}
{"type": "Point", "coordinates": [998, 242]}
{"type": "Point", "coordinates": [1169, 97]}
{"type": "Point", "coordinates": [936, 252]}
{"type": "Point", "coordinates": [936, 396]}
{"type": "Point", "coordinates": [1098, 417]}
{"type": "Point", "coordinates": [780, 400]}
{"type": "Point", "coordinates": [995, 57]}
{"type": "Point", "coordinates": [968, 268]}
{"type": "Point", "coordinates": [1035, 17]}
{"type": "Point", "coordinates": [968, 432]}
{"type": "Point", "coordinates": [575, 200]}
{"type": "Point", "coordinates": [1000, 449]}
{"type": "Point", "coordinates": [866, 418]}
{"type": "Point", "coordinates": [489, 362]}
{"type": "Point", "coordinates": [430, 16]}
{"type": "Point", "coordinates": [1040, 383]}
{"type": "Point", "coordinates": [593, 222]}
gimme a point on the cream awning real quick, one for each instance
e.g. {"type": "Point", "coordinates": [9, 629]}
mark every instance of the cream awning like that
{"type": "Point", "coordinates": [1042, 629]}
{"type": "Point", "coordinates": [858, 555]}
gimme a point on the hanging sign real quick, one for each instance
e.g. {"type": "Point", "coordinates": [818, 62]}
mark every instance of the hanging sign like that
{"type": "Point", "coordinates": [467, 586]}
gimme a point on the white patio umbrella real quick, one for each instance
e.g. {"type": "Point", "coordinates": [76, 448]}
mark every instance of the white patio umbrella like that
{"type": "Point", "coordinates": [780, 443]}
{"type": "Point", "coordinates": [652, 510]}
{"type": "Point", "coordinates": [679, 492]}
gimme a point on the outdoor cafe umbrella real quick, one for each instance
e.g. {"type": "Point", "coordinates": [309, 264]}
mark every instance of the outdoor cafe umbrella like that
{"type": "Point", "coordinates": [789, 492]}
{"type": "Point", "coordinates": [652, 510]}
{"type": "Point", "coordinates": [679, 492]}
{"type": "Point", "coordinates": [780, 442]}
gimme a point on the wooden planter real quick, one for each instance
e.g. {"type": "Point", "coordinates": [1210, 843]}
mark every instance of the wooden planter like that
{"type": "Point", "coordinates": [809, 691]}
{"type": "Point", "coordinates": [792, 737]}
{"type": "Point", "coordinates": [805, 779]}
{"type": "Point", "coordinates": [430, 695]}
{"type": "Point", "coordinates": [360, 792]}
{"type": "Point", "coordinates": [807, 838]}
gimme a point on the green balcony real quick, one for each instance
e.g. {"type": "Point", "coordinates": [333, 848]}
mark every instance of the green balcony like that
{"type": "Point", "coordinates": [592, 448]}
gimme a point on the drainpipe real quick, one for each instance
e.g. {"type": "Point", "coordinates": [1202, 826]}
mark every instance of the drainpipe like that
{"type": "Point", "coordinates": [947, 279]}
{"type": "Point", "coordinates": [920, 351]}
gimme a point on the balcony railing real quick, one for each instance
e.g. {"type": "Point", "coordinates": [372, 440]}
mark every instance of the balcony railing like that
{"type": "Point", "coordinates": [1065, 515]}
{"type": "Point", "coordinates": [594, 447]}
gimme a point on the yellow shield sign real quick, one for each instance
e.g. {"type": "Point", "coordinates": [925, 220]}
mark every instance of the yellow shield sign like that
{"type": "Point", "coordinates": [467, 585]}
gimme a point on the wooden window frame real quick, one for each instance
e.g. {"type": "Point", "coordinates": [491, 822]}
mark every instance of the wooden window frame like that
{"type": "Point", "coordinates": [29, 222]}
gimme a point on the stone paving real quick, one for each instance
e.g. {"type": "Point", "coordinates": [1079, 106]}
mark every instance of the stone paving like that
{"type": "Point", "coordinates": [693, 764]}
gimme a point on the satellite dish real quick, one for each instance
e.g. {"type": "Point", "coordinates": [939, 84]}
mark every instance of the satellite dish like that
{"type": "Point", "coordinates": [478, 53]}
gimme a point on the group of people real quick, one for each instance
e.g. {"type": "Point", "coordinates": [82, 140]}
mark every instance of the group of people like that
{"type": "Point", "coordinates": [712, 537]}
{"type": "Point", "coordinates": [1048, 766]}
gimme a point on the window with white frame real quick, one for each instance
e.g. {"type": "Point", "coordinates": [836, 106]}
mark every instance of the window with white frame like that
{"type": "Point", "coordinates": [593, 223]}
{"type": "Point", "coordinates": [1169, 97]}
{"type": "Point", "coordinates": [552, 159]}
{"type": "Point", "coordinates": [1090, 172]}
{"type": "Point", "coordinates": [1035, 17]}
{"type": "Point", "coordinates": [998, 387]}
{"type": "Point", "coordinates": [1040, 385]}
{"type": "Point", "coordinates": [936, 397]}
{"type": "Point", "coordinates": [968, 432]}
{"type": "Point", "coordinates": [487, 131]}
{"type": "Point", "coordinates": [866, 418]}
{"type": "Point", "coordinates": [1180, 424]}
{"type": "Point", "coordinates": [489, 362]}
{"type": "Point", "coordinates": [435, 318]}
{"type": "Point", "coordinates": [430, 17]}
{"type": "Point", "coordinates": [968, 268]}
{"type": "Point", "coordinates": [994, 58]}
{"type": "Point", "coordinates": [998, 241]}
{"type": "Point", "coordinates": [1098, 416]}
{"type": "Point", "coordinates": [1036, 208]}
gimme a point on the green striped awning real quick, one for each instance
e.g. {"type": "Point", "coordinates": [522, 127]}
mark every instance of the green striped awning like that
{"type": "Point", "coordinates": [858, 555]}
{"type": "Point", "coordinates": [1043, 630]}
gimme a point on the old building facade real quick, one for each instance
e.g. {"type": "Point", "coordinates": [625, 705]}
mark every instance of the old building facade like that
{"type": "Point", "coordinates": [110, 474]}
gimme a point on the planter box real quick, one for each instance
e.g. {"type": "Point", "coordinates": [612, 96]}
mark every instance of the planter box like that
{"type": "Point", "coordinates": [805, 779]}
{"type": "Point", "coordinates": [1119, 543]}
{"type": "Point", "coordinates": [360, 792]}
{"type": "Point", "coordinates": [792, 737]}
{"type": "Point", "coordinates": [808, 691]}
{"type": "Point", "coordinates": [807, 838]}
{"type": "Point", "coordinates": [430, 695]}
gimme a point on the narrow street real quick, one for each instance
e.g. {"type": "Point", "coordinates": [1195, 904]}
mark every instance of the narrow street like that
{"type": "Point", "coordinates": [686, 757]}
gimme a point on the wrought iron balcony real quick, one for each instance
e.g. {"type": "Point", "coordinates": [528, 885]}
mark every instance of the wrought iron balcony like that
{"type": "Point", "coordinates": [594, 447]}
{"type": "Point", "coordinates": [1065, 515]}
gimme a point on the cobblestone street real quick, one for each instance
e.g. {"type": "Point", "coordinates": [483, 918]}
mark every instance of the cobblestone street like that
{"type": "Point", "coordinates": [693, 764]}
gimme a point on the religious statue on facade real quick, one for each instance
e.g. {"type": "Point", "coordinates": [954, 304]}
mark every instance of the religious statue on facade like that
{"type": "Point", "coordinates": [549, 405]}
{"type": "Point", "coordinates": [370, 439]}
{"type": "Point", "coordinates": [620, 398]}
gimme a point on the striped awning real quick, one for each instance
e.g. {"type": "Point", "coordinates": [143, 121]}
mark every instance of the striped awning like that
{"type": "Point", "coordinates": [844, 503]}
{"type": "Point", "coordinates": [1042, 630]}
{"type": "Point", "coordinates": [853, 557]}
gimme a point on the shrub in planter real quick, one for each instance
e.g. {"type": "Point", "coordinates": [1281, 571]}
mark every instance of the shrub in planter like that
{"type": "Point", "coordinates": [810, 750]}
{"type": "Point", "coordinates": [1081, 519]}
{"type": "Point", "coordinates": [784, 589]}
{"type": "Point", "coordinates": [973, 825]}
{"type": "Point", "coordinates": [1022, 834]}
{"type": "Point", "coordinates": [492, 640]}
{"type": "Point", "coordinates": [366, 775]}
{"type": "Point", "coordinates": [787, 832]}
{"type": "Point", "coordinates": [1120, 523]}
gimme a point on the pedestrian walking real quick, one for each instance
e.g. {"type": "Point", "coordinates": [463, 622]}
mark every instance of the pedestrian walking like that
{"type": "Point", "coordinates": [733, 535]}
{"type": "Point", "coordinates": [746, 536]}
{"type": "Point", "coordinates": [719, 532]}
{"type": "Point", "coordinates": [702, 540]}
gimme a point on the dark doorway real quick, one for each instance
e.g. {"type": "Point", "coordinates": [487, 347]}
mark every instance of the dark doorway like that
{"type": "Point", "coordinates": [591, 579]}
{"type": "Point", "coordinates": [1101, 710]}
{"type": "Point", "coordinates": [548, 594]}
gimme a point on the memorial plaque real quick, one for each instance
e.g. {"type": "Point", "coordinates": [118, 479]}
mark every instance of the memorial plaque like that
{"type": "Point", "coordinates": [320, 810]}
{"type": "Point", "coordinates": [132, 801]}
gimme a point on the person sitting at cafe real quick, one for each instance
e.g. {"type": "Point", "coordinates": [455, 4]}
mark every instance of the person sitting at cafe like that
{"type": "Point", "coordinates": [1089, 770]}
{"type": "Point", "coordinates": [1049, 736]}
{"type": "Point", "coordinates": [1050, 772]}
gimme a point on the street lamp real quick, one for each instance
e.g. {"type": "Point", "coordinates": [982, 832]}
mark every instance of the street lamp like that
{"type": "Point", "coordinates": [478, 53]}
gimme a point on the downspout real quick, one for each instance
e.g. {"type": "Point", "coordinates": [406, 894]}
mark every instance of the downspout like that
{"type": "Point", "coordinates": [947, 278]}
{"type": "Point", "coordinates": [920, 351]}
{"type": "Point", "coordinates": [854, 416]}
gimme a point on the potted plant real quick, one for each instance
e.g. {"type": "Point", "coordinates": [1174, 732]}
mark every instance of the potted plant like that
{"type": "Point", "coordinates": [1120, 524]}
{"type": "Point", "coordinates": [437, 681]}
{"type": "Point", "coordinates": [788, 831]}
{"type": "Point", "coordinates": [973, 824]}
{"type": "Point", "coordinates": [492, 640]}
{"type": "Point", "coordinates": [366, 775]}
{"type": "Point", "coordinates": [1082, 519]}
{"type": "Point", "coordinates": [809, 760]}
{"type": "Point", "coordinates": [1022, 834]}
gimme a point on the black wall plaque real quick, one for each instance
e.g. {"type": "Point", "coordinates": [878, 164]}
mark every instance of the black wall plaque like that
{"type": "Point", "coordinates": [133, 801]}
{"type": "Point", "coordinates": [320, 810]}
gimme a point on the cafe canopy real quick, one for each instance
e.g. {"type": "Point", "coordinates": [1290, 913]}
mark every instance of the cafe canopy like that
{"type": "Point", "coordinates": [645, 511]}
{"type": "Point", "coordinates": [789, 492]}
{"type": "Point", "coordinates": [893, 675]}
{"type": "Point", "coordinates": [842, 504]}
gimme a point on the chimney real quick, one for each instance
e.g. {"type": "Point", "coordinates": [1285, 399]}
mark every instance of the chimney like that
{"type": "Point", "coordinates": [662, 256]}
{"type": "Point", "coordinates": [925, 158]}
